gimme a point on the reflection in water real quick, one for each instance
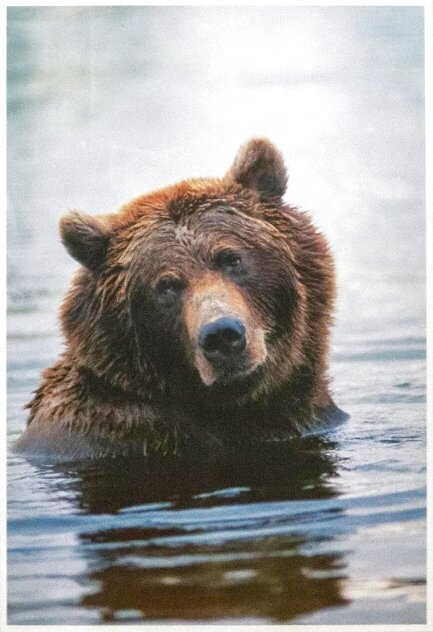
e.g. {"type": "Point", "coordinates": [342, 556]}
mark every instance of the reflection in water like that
{"type": "Point", "coordinates": [179, 549]}
{"type": "Point", "coordinates": [271, 582]}
{"type": "Point", "coordinates": [302, 469]}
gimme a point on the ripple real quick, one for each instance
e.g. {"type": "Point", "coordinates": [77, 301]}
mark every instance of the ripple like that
{"type": "Point", "coordinates": [254, 520]}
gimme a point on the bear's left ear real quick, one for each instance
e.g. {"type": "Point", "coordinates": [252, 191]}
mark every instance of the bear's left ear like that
{"type": "Point", "coordinates": [85, 238]}
{"type": "Point", "coordinates": [260, 166]}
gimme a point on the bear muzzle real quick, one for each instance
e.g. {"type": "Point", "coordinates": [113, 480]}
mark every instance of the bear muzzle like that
{"type": "Point", "coordinates": [228, 343]}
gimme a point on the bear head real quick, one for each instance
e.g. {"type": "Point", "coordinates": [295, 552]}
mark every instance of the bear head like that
{"type": "Point", "coordinates": [211, 290]}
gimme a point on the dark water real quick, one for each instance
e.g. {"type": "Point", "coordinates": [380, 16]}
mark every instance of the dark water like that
{"type": "Point", "coordinates": [104, 104]}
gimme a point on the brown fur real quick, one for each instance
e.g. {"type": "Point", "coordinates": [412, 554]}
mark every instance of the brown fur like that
{"type": "Point", "coordinates": [134, 378]}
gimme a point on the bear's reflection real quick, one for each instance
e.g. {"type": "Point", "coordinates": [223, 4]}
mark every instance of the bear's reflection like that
{"type": "Point", "coordinates": [259, 568]}
{"type": "Point", "coordinates": [300, 469]}
{"type": "Point", "coordinates": [267, 581]}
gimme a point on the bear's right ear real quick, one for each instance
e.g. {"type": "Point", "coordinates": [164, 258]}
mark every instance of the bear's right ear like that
{"type": "Point", "coordinates": [85, 238]}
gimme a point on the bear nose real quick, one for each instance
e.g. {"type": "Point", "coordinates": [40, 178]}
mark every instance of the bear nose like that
{"type": "Point", "coordinates": [222, 337]}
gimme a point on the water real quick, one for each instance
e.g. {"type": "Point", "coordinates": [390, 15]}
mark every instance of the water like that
{"type": "Point", "coordinates": [107, 103]}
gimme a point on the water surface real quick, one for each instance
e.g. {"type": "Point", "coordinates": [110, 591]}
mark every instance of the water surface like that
{"type": "Point", "coordinates": [106, 103]}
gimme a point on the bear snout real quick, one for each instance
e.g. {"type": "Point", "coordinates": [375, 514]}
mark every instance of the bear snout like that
{"type": "Point", "coordinates": [222, 339]}
{"type": "Point", "coordinates": [227, 339]}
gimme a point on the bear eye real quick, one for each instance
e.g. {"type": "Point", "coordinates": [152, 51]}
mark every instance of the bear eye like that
{"type": "Point", "coordinates": [228, 261]}
{"type": "Point", "coordinates": [169, 287]}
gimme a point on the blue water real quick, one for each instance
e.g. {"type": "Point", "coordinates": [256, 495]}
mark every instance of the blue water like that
{"type": "Point", "coordinates": [107, 103]}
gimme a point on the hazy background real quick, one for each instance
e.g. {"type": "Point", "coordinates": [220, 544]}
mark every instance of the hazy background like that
{"type": "Point", "coordinates": [107, 103]}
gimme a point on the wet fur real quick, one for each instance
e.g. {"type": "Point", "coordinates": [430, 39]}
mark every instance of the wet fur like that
{"type": "Point", "coordinates": [127, 382]}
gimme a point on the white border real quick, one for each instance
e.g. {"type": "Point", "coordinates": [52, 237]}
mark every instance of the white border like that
{"type": "Point", "coordinates": [428, 34]}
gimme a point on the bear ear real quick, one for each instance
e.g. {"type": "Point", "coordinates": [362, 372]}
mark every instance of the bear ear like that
{"type": "Point", "coordinates": [260, 166]}
{"type": "Point", "coordinates": [85, 238]}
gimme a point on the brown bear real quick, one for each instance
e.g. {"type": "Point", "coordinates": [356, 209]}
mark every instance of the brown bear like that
{"type": "Point", "coordinates": [198, 322]}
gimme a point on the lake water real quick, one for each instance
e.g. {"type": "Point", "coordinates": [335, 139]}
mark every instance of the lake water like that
{"type": "Point", "coordinates": [107, 103]}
